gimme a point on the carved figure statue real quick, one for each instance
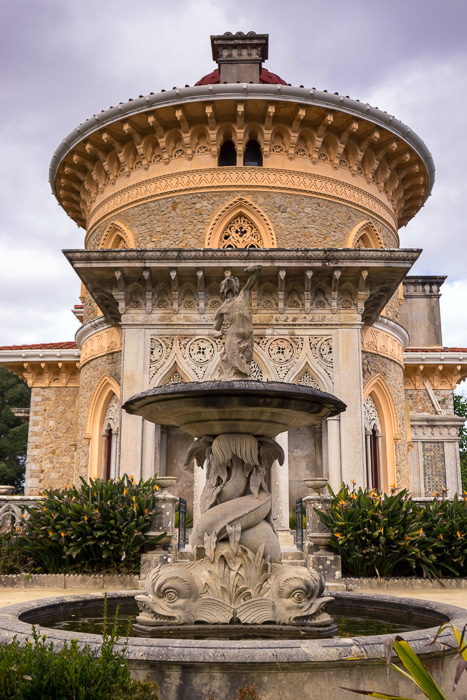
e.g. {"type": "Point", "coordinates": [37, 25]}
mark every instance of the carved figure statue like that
{"type": "Point", "coordinates": [234, 315]}
{"type": "Point", "coordinates": [235, 501]}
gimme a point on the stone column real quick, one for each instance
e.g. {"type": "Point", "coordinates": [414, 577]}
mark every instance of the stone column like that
{"type": "Point", "coordinates": [165, 550]}
{"type": "Point", "coordinates": [280, 493]}
{"type": "Point", "coordinates": [148, 450]}
{"type": "Point", "coordinates": [131, 443]}
{"type": "Point", "coordinates": [348, 386]}
{"type": "Point", "coordinates": [334, 452]}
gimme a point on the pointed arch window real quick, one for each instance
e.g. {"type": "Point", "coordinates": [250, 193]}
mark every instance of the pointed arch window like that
{"type": "Point", "coordinates": [253, 155]}
{"type": "Point", "coordinates": [373, 440]}
{"type": "Point", "coordinates": [240, 233]}
{"type": "Point", "coordinates": [227, 154]}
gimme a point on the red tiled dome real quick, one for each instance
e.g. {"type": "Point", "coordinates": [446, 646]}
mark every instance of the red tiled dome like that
{"type": "Point", "coordinates": [265, 77]}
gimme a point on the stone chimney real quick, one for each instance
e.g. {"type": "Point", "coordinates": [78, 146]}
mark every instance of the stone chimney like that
{"type": "Point", "coordinates": [239, 56]}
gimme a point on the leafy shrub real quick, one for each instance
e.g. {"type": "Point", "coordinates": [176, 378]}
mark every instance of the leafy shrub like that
{"type": "Point", "coordinates": [293, 519]}
{"type": "Point", "coordinates": [445, 523]}
{"type": "Point", "coordinates": [97, 526]}
{"type": "Point", "coordinates": [380, 534]}
{"type": "Point", "coordinates": [38, 672]}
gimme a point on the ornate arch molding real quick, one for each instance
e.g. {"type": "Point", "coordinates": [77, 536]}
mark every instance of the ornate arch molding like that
{"type": "Point", "coordinates": [240, 207]}
{"type": "Point", "coordinates": [368, 233]}
{"type": "Point", "coordinates": [105, 389]}
{"type": "Point", "coordinates": [379, 391]}
{"type": "Point", "coordinates": [113, 233]}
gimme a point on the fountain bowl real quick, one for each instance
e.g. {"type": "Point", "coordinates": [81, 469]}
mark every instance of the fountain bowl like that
{"type": "Point", "coordinates": [240, 406]}
{"type": "Point", "coordinates": [282, 668]}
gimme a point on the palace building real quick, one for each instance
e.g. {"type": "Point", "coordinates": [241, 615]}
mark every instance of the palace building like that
{"type": "Point", "coordinates": [177, 190]}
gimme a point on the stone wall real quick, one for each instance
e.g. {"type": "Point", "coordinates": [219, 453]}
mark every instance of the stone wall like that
{"type": "Point", "coordinates": [91, 373]}
{"type": "Point", "coordinates": [299, 221]}
{"type": "Point", "coordinates": [393, 375]}
{"type": "Point", "coordinates": [419, 401]}
{"type": "Point", "coordinates": [52, 438]}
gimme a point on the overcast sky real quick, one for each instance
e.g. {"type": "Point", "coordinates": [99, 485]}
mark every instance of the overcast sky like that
{"type": "Point", "coordinates": [62, 61]}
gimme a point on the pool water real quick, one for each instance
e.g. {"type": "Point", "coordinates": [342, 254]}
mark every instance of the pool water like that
{"type": "Point", "coordinates": [92, 622]}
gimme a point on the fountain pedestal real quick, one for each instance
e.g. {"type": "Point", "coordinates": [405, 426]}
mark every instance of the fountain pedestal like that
{"type": "Point", "coordinates": [236, 575]}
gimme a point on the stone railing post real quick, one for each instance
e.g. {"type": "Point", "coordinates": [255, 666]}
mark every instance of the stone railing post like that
{"type": "Point", "coordinates": [164, 551]}
{"type": "Point", "coordinates": [318, 557]}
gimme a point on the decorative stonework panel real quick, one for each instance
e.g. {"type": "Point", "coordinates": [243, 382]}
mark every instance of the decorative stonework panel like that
{"type": "Point", "coordinates": [434, 469]}
{"type": "Point", "coordinates": [102, 343]}
{"type": "Point", "coordinates": [281, 350]}
{"type": "Point", "coordinates": [201, 350]}
{"type": "Point", "coordinates": [240, 233]}
{"type": "Point", "coordinates": [160, 351]}
{"type": "Point", "coordinates": [306, 379]}
{"type": "Point", "coordinates": [382, 343]}
{"type": "Point", "coordinates": [321, 349]}
{"type": "Point", "coordinates": [112, 415]}
{"type": "Point", "coordinates": [370, 416]}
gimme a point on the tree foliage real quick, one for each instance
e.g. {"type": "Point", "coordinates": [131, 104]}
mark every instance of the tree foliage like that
{"type": "Point", "coordinates": [460, 408]}
{"type": "Point", "coordinates": [14, 393]}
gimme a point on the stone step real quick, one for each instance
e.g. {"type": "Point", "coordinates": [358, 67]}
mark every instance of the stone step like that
{"type": "Point", "coordinates": [291, 553]}
{"type": "Point", "coordinates": [294, 562]}
{"type": "Point", "coordinates": [334, 586]}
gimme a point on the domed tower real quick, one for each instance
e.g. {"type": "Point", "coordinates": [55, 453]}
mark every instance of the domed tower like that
{"type": "Point", "coordinates": [179, 189]}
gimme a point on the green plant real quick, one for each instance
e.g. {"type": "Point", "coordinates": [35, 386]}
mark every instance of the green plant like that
{"type": "Point", "coordinates": [96, 526]}
{"type": "Point", "coordinates": [38, 671]}
{"type": "Point", "coordinates": [445, 523]}
{"type": "Point", "coordinates": [415, 671]}
{"type": "Point", "coordinates": [246, 693]}
{"type": "Point", "coordinates": [460, 409]}
{"type": "Point", "coordinates": [379, 534]}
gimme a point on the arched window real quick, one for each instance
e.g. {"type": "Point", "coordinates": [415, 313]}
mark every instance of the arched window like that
{"type": "Point", "coordinates": [109, 439]}
{"type": "Point", "coordinates": [228, 154]}
{"type": "Point", "coordinates": [253, 155]}
{"type": "Point", "coordinates": [373, 437]}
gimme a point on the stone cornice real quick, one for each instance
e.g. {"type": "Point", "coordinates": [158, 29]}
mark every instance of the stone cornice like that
{"type": "Point", "coordinates": [36, 355]}
{"type": "Point", "coordinates": [248, 92]}
{"type": "Point", "coordinates": [393, 328]}
{"type": "Point", "coordinates": [88, 329]}
{"type": "Point", "coordinates": [437, 357]}
{"type": "Point", "coordinates": [352, 283]}
{"type": "Point", "coordinates": [424, 286]}
{"type": "Point", "coordinates": [435, 427]}
{"type": "Point", "coordinates": [162, 131]}
{"type": "Point", "coordinates": [238, 179]}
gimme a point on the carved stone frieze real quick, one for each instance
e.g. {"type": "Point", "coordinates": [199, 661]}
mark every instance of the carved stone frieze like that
{"type": "Point", "coordinates": [439, 376]}
{"type": "Point", "coordinates": [242, 178]}
{"type": "Point", "coordinates": [101, 343]}
{"type": "Point", "coordinates": [383, 343]}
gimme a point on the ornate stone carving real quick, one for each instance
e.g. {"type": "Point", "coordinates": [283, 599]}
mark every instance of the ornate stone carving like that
{"type": "Point", "coordinates": [306, 379]}
{"type": "Point", "coordinates": [241, 178]}
{"type": "Point", "coordinates": [159, 352]}
{"type": "Point", "coordinates": [48, 373]}
{"type": "Point", "coordinates": [382, 343]}
{"type": "Point", "coordinates": [201, 350]}
{"type": "Point", "coordinates": [235, 316]}
{"type": "Point", "coordinates": [370, 416]}
{"type": "Point", "coordinates": [101, 343]}
{"type": "Point", "coordinates": [240, 233]}
{"type": "Point", "coordinates": [233, 585]}
{"type": "Point", "coordinates": [321, 349]}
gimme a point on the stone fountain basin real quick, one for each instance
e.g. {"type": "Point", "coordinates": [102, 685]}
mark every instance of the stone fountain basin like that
{"type": "Point", "coordinates": [253, 407]}
{"type": "Point", "coordinates": [285, 669]}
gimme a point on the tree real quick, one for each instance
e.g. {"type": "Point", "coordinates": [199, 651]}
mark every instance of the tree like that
{"type": "Point", "coordinates": [14, 393]}
{"type": "Point", "coordinates": [460, 409]}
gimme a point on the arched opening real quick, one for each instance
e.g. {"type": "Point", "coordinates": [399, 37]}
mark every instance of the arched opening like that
{"type": "Point", "coordinates": [240, 224]}
{"type": "Point", "coordinates": [381, 433]}
{"type": "Point", "coordinates": [253, 155]}
{"type": "Point", "coordinates": [227, 154]}
{"type": "Point", "coordinates": [102, 429]}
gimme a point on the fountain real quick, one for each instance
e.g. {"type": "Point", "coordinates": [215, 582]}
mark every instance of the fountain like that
{"type": "Point", "coordinates": [235, 614]}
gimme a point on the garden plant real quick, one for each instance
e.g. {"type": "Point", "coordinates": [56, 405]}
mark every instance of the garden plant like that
{"type": "Point", "coordinates": [379, 534]}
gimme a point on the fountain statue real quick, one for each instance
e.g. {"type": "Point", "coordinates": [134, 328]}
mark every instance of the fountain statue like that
{"type": "Point", "coordinates": [236, 575]}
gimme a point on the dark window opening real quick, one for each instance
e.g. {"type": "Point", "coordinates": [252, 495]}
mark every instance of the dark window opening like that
{"type": "Point", "coordinates": [374, 460]}
{"type": "Point", "coordinates": [228, 154]}
{"type": "Point", "coordinates": [108, 454]}
{"type": "Point", "coordinates": [253, 155]}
